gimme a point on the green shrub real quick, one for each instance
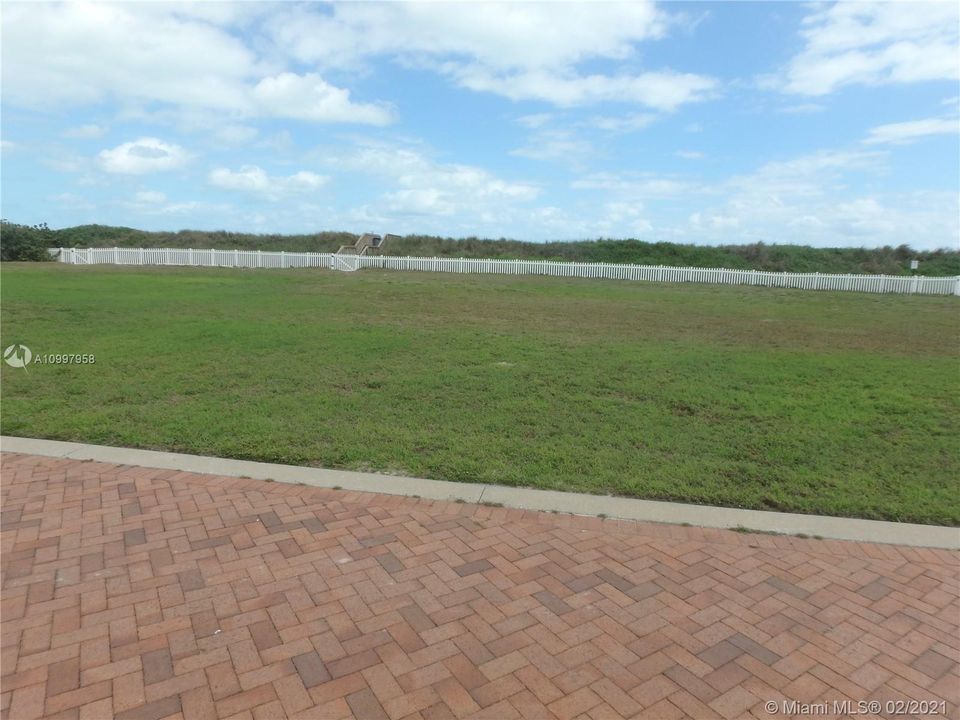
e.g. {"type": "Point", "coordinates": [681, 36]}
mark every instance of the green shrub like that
{"type": "Point", "coordinates": [25, 242]}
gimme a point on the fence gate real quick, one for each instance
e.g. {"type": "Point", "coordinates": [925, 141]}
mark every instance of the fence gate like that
{"type": "Point", "coordinates": [347, 263]}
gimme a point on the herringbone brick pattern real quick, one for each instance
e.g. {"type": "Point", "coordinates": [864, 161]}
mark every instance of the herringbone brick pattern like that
{"type": "Point", "coordinates": [144, 594]}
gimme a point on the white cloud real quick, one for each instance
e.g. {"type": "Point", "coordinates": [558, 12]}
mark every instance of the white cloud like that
{"type": "Point", "coordinates": [238, 60]}
{"type": "Point", "coordinates": [496, 35]}
{"type": "Point", "coordinates": [663, 90]}
{"type": "Point", "coordinates": [636, 187]}
{"type": "Point", "coordinates": [309, 97]}
{"type": "Point", "coordinates": [689, 154]}
{"type": "Point", "coordinates": [142, 156]}
{"type": "Point", "coordinates": [143, 54]}
{"type": "Point", "coordinates": [549, 144]}
{"type": "Point", "coordinates": [623, 216]}
{"type": "Point", "coordinates": [154, 203]}
{"type": "Point", "coordinates": [874, 43]}
{"type": "Point", "coordinates": [93, 51]}
{"type": "Point", "coordinates": [906, 132]}
{"type": "Point", "coordinates": [72, 201]}
{"type": "Point", "coordinates": [8, 145]}
{"type": "Point", "coordinates": [85, 132]}
{"type": "Point", "coordinates": [621, 123]}
{"type": "Point", "coordinates": [255, 180]}
{"type": "Point", "coordinates": [565, 143]}
{"type": "Point", "coordinates": [808, 200]}
{"type": "Point", "coordinates": [523, 51]}
{"type": "Point", "coordinates": [420, 186]}
{"type": "Point", "coordinates": [816, 174]}
{"type": "Point", "coordinates": [226, 63]}
{"type": "Point", "coordinates": [535, 121]}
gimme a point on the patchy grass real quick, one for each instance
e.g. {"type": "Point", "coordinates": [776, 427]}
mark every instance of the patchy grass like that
{"type": "Point", "coordinates": [843, 404]}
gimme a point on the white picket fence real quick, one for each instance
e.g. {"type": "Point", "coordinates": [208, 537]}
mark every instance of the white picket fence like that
{"type": "Point", "coordinates": [902, 284]}
{"type": "Point", "coordinates": [200, 258]}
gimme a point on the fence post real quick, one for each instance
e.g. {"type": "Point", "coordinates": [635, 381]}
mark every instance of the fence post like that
{"type": "Point", "coordinates": [956, 286]}
{"type": "Point", "coordinates": [190, 256]}
{"type": "Point", "coordinates": [283, 259]}
{"type": "Point", "coordinates": [259, 258]}
{"type": "Point", "coordinates": [116, 256]}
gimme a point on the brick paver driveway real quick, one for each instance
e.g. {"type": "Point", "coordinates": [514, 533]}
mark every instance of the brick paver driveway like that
{"type": "Point", "coordinates": [142, 593]}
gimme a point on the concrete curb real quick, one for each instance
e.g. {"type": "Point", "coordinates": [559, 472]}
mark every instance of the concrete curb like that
{"type": "Point", "coordinates": [874, 531]}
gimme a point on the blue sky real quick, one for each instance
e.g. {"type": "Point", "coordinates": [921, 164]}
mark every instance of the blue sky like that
{"type": "Point", "coordinates": [822, 124]}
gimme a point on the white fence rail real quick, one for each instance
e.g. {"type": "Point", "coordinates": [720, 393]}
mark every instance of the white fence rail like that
{"type": "Point", "coordinates": [202, 258]}
{"type": "Point", "coordinates": [902, 284]}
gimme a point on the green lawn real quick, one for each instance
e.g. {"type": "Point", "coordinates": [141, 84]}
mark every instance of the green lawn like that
{"type": "Point", "coordinates": [836, 403]}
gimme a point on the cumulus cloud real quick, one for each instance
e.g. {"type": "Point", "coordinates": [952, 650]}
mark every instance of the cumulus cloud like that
{"type": "Point", "coordinates": [808, 200]}
{"type": "Point", "coordinates": [496, 35]}
{"type": "Point", "coordinates": [523, 51]}
{"type": "Point", "coordinates": [907, 132]}
{"type": "Point", "coordinates": [309, 97]}
{"type": "Point", "coordinates": [155, 53]}
{"type": "Point", "coordinates": [421, 186]}
{"type": "Point", "coordinates": [253, 179]}
{"type": "Point", "coordinates": [620, 216]}
{"type": "Point", "coordinates": [142, 156]}
{"type": "Point", "coordinates": [874, 43]}
{"type": "Point", "coordinates": [248, 59]}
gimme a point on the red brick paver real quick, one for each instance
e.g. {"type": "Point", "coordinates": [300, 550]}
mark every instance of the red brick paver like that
{"type": "Point", "coordinates": [137, 593]}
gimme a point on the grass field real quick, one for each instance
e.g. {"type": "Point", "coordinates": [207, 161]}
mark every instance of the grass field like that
{"type": "Point", "coordinates": [843, 404]}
